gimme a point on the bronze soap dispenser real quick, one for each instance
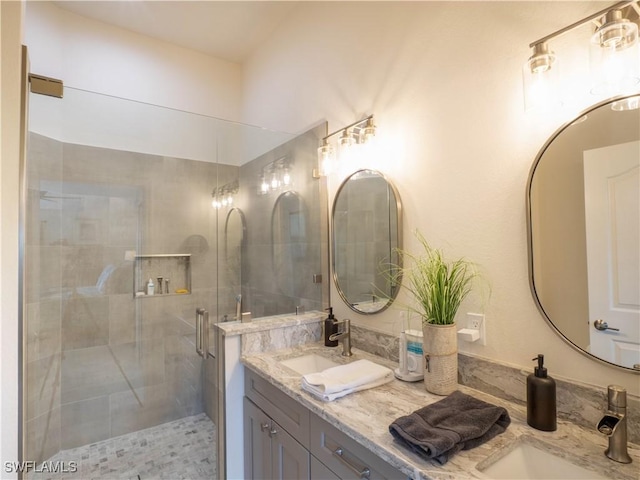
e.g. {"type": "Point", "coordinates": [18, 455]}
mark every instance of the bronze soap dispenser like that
{"type": "Point", "coordinates": [541, 398]}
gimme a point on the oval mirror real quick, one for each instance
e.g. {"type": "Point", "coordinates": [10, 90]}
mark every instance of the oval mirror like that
{"type": "Point", "coordinates": [366, 235]}
{"type": "Point", "coordinates": [583, 202]}
{"type": "Point", "coordinates": [290, 242]}
{"type": "Point", "coordinates": [234, 236]}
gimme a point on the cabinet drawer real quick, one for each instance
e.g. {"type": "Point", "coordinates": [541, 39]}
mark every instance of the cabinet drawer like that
{"type": "Point", "coordinates": [346, 457]}
{"type": "Point", "coordinates": [320, 472]}
{"type": "Point", "coordinates": [291, 415]}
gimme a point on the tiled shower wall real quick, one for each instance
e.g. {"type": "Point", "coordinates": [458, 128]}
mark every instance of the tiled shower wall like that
{"type": "Point", "coordinates": [100, 362]}
{"type": "Point", "coordinates": [285, 236]}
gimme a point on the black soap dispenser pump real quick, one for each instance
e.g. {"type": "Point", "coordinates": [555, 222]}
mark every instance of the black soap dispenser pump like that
{"type": "Point", "coordinates": [330, 328]}
{"type": "Point", "coordinates": [541, 398]}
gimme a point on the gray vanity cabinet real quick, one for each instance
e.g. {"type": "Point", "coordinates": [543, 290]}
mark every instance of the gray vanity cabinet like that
{"type": "Point", "coordinates": [320, 472]}
{"type": "Point", "coordinates": [283, 439]}
{"type": "Point", "coordinates": [257, 426]}
{"type": "Point", "coordinates": [345, 457]}
{"type": "Point", "coordinates": [270, 452]}
{"type": "Point", "coordinates": [276, 433]}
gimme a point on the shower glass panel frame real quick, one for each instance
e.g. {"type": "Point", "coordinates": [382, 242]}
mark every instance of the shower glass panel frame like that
{"type": "Point", "coordinates": [119, 190]}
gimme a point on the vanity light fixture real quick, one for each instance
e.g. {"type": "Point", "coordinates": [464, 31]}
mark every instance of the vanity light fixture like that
{"type": "Point", "coordinates": [357, 133]}
{"type": "Point", "coordinates": [275, 175]}
{"type": "Point", "coordinates": [541, 77]}
{"type": "Point", "coordinates": [326, 159]}
{"type": "Point", "coordinates": [223, 196]}
{"type": "Point", "coordinates": [614, 57]}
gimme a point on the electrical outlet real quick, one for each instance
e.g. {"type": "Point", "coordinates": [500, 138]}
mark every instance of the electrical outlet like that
{"type": "Point", "coordinates": [475, 321]}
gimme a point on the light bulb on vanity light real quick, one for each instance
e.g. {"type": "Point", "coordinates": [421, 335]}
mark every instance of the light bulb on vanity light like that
{"type": "Point", "coordinates": [615, 56]}
{"type": "Point", "coordinates": [275, 183]}
{"type": "Point", "coordinates": [369, 131]}
{"type": "Point", "coordinates": [326, 158]}
{"type": "Point", "coordinates": [540, 75]}
{"type": "Point", "coordinates": [347, 147]}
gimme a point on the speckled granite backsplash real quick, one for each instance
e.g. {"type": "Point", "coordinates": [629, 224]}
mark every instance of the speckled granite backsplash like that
{"type": "Point", "coordinates": [581, 404]}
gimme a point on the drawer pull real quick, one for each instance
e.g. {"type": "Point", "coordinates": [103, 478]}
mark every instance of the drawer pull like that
{"type": "Point", "coordinates": [264, 426]}
{"type": "Point", "coordinates": [364, 472]}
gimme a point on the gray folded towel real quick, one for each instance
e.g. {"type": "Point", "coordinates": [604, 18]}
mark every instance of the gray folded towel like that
{"type": "Point", "coordinates": [457, 422]}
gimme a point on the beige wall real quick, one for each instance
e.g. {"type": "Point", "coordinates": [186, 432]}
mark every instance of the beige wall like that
{"type": "Point", "coordinates": [444, 81]}
{"type": "Point", "coordinates": [92, 55]}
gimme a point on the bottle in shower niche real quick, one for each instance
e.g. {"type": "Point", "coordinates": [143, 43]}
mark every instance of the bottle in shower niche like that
{"type": "Point", "coordinates": [150, 287]}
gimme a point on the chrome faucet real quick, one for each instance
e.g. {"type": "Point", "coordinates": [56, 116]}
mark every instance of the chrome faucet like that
{"type": "Point", "coordinates": [344, 336]}
{"type": "Point", "coordinates": [614, 424]}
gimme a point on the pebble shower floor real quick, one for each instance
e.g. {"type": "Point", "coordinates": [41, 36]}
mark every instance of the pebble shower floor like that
{"type": "Point", "coordinates": [184, 449]}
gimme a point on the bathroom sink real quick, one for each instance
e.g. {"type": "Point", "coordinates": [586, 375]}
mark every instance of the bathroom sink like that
{"type": "Point", "coordinates": [526, 461]}
{"type": "Point", "coordinates": [310, 363]}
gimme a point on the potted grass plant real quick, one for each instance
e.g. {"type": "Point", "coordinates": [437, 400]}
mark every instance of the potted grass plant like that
{"type": "Point", "coordinates": [437, 287]}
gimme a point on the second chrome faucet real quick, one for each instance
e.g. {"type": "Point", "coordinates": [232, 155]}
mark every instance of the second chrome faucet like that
{"type": "Point", "coordinates": [614, 424]}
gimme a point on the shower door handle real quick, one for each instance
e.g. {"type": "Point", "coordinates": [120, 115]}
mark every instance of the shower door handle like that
{"type": "Point", "coordinates": [202, 332]}
{"type": "Point", "coordinates": [205, 334]}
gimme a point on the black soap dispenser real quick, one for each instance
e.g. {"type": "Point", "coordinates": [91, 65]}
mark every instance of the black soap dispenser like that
{"type": "Point", "coordinates": [541, 398]}
{"type": "Point", "coordinates": [330, 328]}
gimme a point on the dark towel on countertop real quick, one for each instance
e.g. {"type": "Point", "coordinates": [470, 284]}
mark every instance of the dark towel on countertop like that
{"type": "Point", "coordinates": [457, 422]}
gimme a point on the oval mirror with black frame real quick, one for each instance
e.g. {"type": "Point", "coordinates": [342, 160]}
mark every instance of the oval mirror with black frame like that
{"type": "Point", "coordinates": [367, 233]}
{"type": "Point", "coordinates": [583, 203]}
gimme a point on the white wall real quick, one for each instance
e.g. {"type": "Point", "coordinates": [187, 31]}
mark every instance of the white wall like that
{"type": "Point", "coordinates": [184, 101]}
{"type": "Point", "coordinates": [444, 82]}
{"type": "Point", "coordinates": [10, 45]}
{"type": "Point", "coordinates": [102, 58]}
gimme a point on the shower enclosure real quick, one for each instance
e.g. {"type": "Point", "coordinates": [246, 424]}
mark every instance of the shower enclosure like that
{"type": "Point", "coordinates": [120, 193]}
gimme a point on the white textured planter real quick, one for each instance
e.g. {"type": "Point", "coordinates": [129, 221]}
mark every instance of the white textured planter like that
{"type": "Point", "coordinates": [440, 346]}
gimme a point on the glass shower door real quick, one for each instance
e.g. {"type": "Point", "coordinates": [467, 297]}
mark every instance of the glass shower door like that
{"type": "Point", "coordinates": [118, 193]}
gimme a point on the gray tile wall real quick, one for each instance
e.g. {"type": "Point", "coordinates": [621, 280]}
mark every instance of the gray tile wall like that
{"type": "Point", "coordinates": [279, 261]}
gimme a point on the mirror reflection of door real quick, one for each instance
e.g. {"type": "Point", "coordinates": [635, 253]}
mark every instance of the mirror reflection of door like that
{"type": "Point", "coordinates": [612, 217]}
{"type": "Point", "coordinates": [583, 220]}
{"type": "Point", "coordinates": [234, 237]}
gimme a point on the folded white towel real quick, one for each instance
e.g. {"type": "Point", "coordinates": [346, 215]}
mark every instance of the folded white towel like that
{"type": "Point", "coordinates": [336, 382]}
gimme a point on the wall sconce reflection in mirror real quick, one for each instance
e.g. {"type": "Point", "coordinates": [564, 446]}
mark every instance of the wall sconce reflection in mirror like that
{"type": "Point", "coordinates": [223, 196]}
{"type": "Point", "coordinates": [614, 58]}
{"type": "Point", "coordinates": [358, 133]}
{"type": "Point", "coordinates": [275, 176]}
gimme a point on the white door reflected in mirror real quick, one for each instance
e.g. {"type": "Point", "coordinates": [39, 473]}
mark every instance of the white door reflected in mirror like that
{"type": "Point", "coordinates": [612, 221]}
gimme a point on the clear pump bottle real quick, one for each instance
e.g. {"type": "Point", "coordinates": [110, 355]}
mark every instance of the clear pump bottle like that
{"type": "Point", "coordinates": [150, 287]}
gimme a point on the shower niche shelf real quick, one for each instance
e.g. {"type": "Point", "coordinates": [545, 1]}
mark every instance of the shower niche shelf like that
{"type": "Point", "coordinates": [175, 267]}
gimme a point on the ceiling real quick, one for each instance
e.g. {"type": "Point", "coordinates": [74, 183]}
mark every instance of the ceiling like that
{"type": "Point", "coordinates": [230, 30]}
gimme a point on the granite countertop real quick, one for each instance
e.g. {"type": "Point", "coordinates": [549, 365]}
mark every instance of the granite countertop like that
{"type": "Point", "coordinates": [365, 416]}
{"type": "Point", "coordinates": [232, 328]}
